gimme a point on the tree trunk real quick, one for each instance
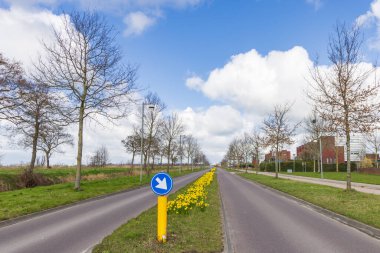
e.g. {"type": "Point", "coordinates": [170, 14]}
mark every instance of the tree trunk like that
{"type": "Point", "coordinates": [80, 147]}
{"type": "Point", "coordinates": [276, 162]}
{"type": "Point", "coordinates": [29, 171]}
{"type": "Point", "coordinates": [34, 147]}
{"type": "Point", "coordinates": [167, 170]}
{"type": "Point", "coordinates": [348, 144]}
{"type": "Point", "coordinates": [314, 165]}
{"type": "Point", "coordinates": [47, 160]}
{"type": "Point", "coordinates": [133, 158]}
{"type": "Point", "coordinates": [336, 158]}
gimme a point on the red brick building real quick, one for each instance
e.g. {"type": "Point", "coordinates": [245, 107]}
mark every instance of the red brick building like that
{"type": "Point", "coordinates": [284, 155]}
{"type": "Point", "coordinates": [310, 150]}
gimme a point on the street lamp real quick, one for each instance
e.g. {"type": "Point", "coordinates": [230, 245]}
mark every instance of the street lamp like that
{"type": "Point", "coordinates": [181, 137]}
{"type": "Point", "coordinates": [150, 106]}
{"type": "Point", "coordinates": [314, 121]}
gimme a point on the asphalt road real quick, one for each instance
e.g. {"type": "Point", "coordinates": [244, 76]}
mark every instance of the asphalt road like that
{"type": "Point", "coordinates": [260, 220]}
{"type": "Point", "coordinates": [78, 228]}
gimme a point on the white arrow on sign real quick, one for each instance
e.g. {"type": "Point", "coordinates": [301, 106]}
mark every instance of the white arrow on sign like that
{"type": "Point", "coordinates": [161, 183]}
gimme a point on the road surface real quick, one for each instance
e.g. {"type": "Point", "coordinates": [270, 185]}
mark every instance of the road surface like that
{"type": "Point", "coordinates": [78, 228]}
{"type": "Point", "coordinates": [260, 220]}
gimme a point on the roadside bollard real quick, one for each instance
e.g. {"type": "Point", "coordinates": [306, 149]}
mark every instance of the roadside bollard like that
{"type": "Point", "coordinates": [161, 185]}
{"type": "Point", "coordinates": [162, 218]}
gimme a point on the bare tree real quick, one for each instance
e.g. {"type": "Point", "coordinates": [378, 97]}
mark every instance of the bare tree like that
{"type": "Point", "coordinates": [234, 154]}
{"type": "Point", "coordinates": [85, 64]}
{"type": "Point", "coordinates": [10, 77]}
{"type": "Point", "coordinates": [278, 130]}
{"type": "Point", "coordinates": [50, 139]}
{"type": "Point", "coordinates": [153, 123]}
{"type": "Point", "coordinates": [100, 158]}
{"type": "Point", "coordinates": [189, 147]}
{"type": "Point", "coordinates": [246, 149]}
{"type": "Point", "coordinates": [315, 127]}
{"type": "Point", "coordinates": [344, 96]}
{"type": "Point", "coordinates": [172, 128]}
{"type": "Point", "coordinates": [373, 143]}
{"type": "Point", "coordinates": [257, 145]}
{"type": "Point", "coordinates": [132, 144]}
{"type": "Point", "coordinates": [35, 108]}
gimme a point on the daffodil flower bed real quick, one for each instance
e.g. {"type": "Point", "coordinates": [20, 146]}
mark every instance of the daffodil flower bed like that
{"type": "Point", "coordinates": [194, 197]}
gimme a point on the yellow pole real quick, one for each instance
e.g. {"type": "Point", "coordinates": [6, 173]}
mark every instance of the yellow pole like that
{"type": "Point", "coordinates": [162, 218]}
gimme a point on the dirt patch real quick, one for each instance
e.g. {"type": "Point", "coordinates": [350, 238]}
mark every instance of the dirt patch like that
{"type": "Point", "coordinates": [28, 180]}
{"type": "Point", "coordinates": [374, 171]}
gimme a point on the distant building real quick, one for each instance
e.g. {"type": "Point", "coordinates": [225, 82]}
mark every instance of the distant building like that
{"type": "Point", "coordinates": [357, 147]}
{"type": "Point", "coordinates": [310, 151]}
{"type": "Point", "coordinates": [284, 155]}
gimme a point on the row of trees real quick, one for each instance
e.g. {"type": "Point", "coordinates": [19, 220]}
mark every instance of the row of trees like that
{"type": "Point", "coordinates": [161, 137]}
{"type": "Point", "coordinates": [80, 77]}
{"type": "Point", "coordinates": [276, 132]}
{"type": "Point", "coordinates": [345, 98]}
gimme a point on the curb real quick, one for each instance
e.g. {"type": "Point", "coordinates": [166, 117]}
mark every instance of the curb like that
{"type": "Point", "coordinates": [369, 230]}
{"type": "Point", "coordinates": [227, 237]}
{"type": "Point", "coordinates": [25, 217]}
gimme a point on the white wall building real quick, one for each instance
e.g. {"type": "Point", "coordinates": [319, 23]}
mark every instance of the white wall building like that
{"type": "Point", "coordinates": [357, 146]}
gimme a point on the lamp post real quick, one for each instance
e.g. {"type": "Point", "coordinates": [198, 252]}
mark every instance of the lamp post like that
{"type": "Point", "coordinates": [314, 121]}
{"type": "Point", "coordinates": [150, 106]}
{"type": "Point", "coordinates": [181, 137]}
{"type": "Point", "coordinates": [320, 152]}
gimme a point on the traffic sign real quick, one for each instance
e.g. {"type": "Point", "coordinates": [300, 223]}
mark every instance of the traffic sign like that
{"type": "Point", "coordinates": [161, 183]}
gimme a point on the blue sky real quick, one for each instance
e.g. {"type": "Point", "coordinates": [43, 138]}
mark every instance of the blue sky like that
{"type": "Point", "coordinates": [198, 55]}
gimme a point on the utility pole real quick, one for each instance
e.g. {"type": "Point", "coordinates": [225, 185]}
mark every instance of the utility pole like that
{"type": "Point", "coordinates": [142, 136]}
{"type": "Point", "coordinates": [142, 140]}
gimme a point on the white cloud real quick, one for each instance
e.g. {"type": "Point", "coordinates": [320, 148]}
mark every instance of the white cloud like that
{"type": "Point", "coordinates": [137, 13]}
{"type": "Point", "coordinates": [371, 19]}
{"type": "Point", "coordinates": [254, 83]}
{"type": "Point", "coordinates": [371, 15]}
{"type": "Point", "coordinates": [137, 22]}
{"type": "Point", "coordinates": [214, 127]}
{"type": "Point", "coordinates": [22, 31]}
{"type": "Point", "coordinates": [316, 3]}
{"type": "Point", "coordinates": [194, 82]}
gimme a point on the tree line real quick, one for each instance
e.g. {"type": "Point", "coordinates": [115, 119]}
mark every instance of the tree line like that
{"type": "Point", "coordinates": [160, 138]}
{"type": "Point", "coordinates": [345, 100]}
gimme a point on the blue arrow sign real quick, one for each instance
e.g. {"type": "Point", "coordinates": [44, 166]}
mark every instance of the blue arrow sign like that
{"type": "Point", "coordinates": [161, 183]}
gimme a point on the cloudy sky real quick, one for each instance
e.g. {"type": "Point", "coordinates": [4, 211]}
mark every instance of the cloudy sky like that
{"type": "Point", "coordinates": [220, 64]}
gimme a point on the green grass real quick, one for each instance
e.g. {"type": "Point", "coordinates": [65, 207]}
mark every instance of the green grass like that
{"type": "Point", "coordinates": [356, 205]}
{"type": "Point", "coordinates": [194, 232]}
{"type": "Point", "coordinates": [341, 176]}
{"type": "Point", "coordinates": [25, 201]}
{"type": "Point", "coordinates": [9, 176]}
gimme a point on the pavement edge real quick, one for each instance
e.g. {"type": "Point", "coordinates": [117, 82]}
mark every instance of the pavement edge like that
{"type": "Point", "coordinates": [227, 237]}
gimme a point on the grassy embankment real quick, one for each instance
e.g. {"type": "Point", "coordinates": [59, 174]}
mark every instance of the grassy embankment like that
{"type": "Point", "coordinates": [198, 231]}
{"type": "Point", "coordinates": [9, 177]}
{"type": "Point", "coordinates": [356, 205]}
{"type": "Point", "coordinates": [25, 201]}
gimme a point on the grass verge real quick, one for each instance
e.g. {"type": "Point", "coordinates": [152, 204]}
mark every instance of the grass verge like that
{"type": "Point", "coordinates": [30, 200]}
{"type": "Point", "coordinates": [356, 205]}
{"type": "Point", "coordinates": [194, 232]}
{"type": "Point", "coordinates": [341, 176]}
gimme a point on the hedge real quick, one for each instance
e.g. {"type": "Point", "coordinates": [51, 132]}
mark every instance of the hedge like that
{"type": "Point", "coordinates": [284, 166]}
